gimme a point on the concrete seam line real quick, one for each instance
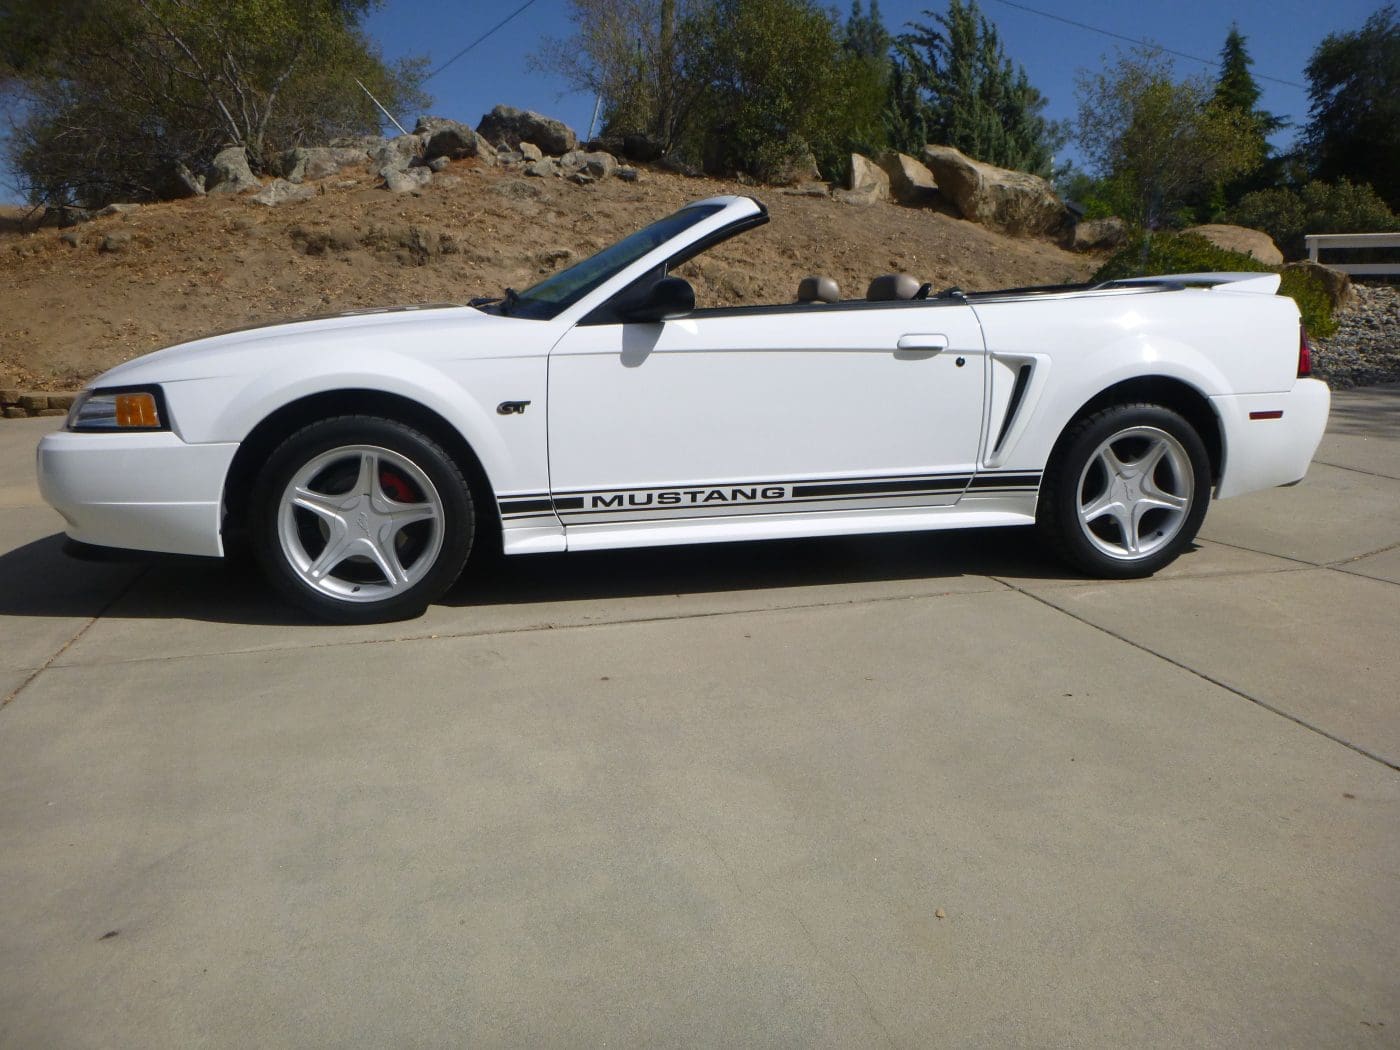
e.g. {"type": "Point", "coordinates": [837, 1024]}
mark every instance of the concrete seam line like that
{"type": "Point", "coordinates": [1356, 470]}
{"type": "Point", "coordinates": [1267, 554]}
{"type": "Point", "coordinates": [1000, 588]}
{"type": "Point", "coordinates": [1357, 557]}
{"type": "Point", "coordinates": [66, 645]}
{"type": "Point", "coordinates": [1382, 760]}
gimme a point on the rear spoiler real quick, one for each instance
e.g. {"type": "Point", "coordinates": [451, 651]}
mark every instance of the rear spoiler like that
{"type": "Point", "coordinates": [1257, 283]}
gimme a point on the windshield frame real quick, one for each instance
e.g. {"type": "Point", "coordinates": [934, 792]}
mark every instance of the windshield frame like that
{"type": "Point", "coordinates": [575, 282]}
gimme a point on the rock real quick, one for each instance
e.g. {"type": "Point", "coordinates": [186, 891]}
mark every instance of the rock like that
{"type": "Point", "coordinates": [448, 138]}
{"type": "Point", "coordinates": [116, 209]}
{"type": "Point", "coordinates": [600, 164]}
{"type": "Point", "coordinates": [1241, 239]}
{"type": "Point", "coordinates": [116, 242]}
{"type": "Point", "coordinates": [396, 154]}
{"type": "Point", "coordinates": [801, 168]}
{"type": "Point", "coordinates": [910, 181]}
{"type": "Point", "coordinates": [510, 126]}
{"type": "Point", "coordinates": [1337, 284]}
{"type": "Point", "coordinates": [33, 402]}
{"type": "Point", "coordinates": [447, 182]}
{"type": "Point", "coordinates": [529, 151]}
{"type": "Point", "coordinates": [519, 189]}
{"type": "Point", "coordinates": [572, 161]}
{"type": "Point", "coordinates": [229, 172]}
{"type": "Point", "coordinates": [810, 189]}
{"type": "Point", "coordinates": [1008, 201]}
{"type": "Point", "coordinates": [63, 402]}
{"type": "Point", "coordinates": [583, 178]}
{"type": "Point", "coordinates": [174, 181]}
{"type": "Point", "coordinates": [280, 191]}
{"type": "Point", "coordinates": [318, 162]}
{"type": "Point", "coordinates": [853, 197]}
{"type": "Point", "coordinates": [484, 152]}
{"type": "Point", "coordinates": [437, 164]}
{"type": "Point", "coordinates": [1093, 235]}
{"type": "Point", "coordinates": [414, 180]}
{"type": "Point", "coordinates": [542, 168]}
{"type": "Point", "coordinates": [15, 412]}
{"type": "Point", "coordinates": [868, 179]}
{"type": "Point", "coordinates": [54, 412]}
{"type": "Point", "coordinates": [72, 238]}
{"type": "Point", "coordinates": [629, 174]}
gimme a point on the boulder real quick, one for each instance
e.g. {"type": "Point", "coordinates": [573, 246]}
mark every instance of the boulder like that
{"type": "Point", "coordinates": [318, 162]}
{"type": "Point", "coordinates": [529, 151]}
{"type": "Point", "coordinates": [1092, 235]}
{"type": "Point", "coordinates": [600, 164]}
{"type": "Point", "coordinates": [116, 209]}
{"type": "Point", "coordinates": [510, 126]}
{"type": "Point", "coordinates": [72, 238]}
{"type": "Point", "coordinates": [542, 168]}
{"type": "Point", "coordinates": [641, 148]}
{"type": "Point", "coordinates": [280, 191]}
{"type": "Point", "coordinates": [1335, 283]}
{"type": "Point", "coordinates": [910, 181]}
{"type": "Point", "coordinates": [1241, 239]}
{"type": "Point", "coordinates": [1008, 201]}
{"type": "Point", "coordinates": [229, 172]}
{"type": "Point", "coordinates": [572, 161]}
{"type": "Point", "coordinates": [396, 154]}
{"type": "Point", "coordinates": [800, 168]}
{"type": "Point", "coordinates": [413, 180]}
{"type": "Point", "coordinates": [868, 179]}
{"type": "Point", "coordinates": [119, 241]}
{"type": "Point", "coordinates": [629, 174]}
{"type": "Point", "coordinates": [447, 138]}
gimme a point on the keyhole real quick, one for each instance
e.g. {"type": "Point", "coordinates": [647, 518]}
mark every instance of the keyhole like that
{"type": "Point", "coordinates": [961, 361]}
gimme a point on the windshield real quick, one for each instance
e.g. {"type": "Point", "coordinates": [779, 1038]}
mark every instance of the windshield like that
{"type": "Point", "coordinates": [563, 289]}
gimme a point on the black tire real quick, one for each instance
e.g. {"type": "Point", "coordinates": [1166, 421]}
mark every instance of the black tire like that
{"type": "Point", "coordinates": [406, 474]}
{"type": "Point", "coordinates": [1079, 477]}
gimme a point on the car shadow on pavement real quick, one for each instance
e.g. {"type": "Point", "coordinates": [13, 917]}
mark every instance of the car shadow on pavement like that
{"type": "Point", "coordinates": [39, 579]}
{"type": "Point", "coordinates": [1377, 411]}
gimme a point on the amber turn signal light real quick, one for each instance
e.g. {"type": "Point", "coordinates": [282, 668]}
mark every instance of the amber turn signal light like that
{"type": "Point", "coordinates": [137, 410]}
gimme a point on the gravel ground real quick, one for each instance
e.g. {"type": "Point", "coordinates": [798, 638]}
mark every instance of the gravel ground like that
{"type": "Point", "coordinates": [1366, 346]}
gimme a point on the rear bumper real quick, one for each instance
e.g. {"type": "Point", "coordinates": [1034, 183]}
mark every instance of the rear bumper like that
{"type": "Point", "coordinates": [1270, 439]}
{"type": "Point", "coordinates": [146, 492]}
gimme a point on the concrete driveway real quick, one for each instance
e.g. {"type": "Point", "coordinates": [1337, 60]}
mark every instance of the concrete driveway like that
{"type": "Point", "coordinates": [911, 791]}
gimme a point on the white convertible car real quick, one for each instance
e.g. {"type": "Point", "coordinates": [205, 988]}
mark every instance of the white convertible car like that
{"type": "Point", "coordinates": [360, 455]}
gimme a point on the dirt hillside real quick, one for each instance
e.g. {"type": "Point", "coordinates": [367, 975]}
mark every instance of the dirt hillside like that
{"type": "Point", "coordinates": [167, 272]}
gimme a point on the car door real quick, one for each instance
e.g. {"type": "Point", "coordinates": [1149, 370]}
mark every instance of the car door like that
{"type": "Point", "coordinates": [811, 408]}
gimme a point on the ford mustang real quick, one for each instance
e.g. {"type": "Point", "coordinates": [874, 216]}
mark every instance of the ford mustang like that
{"type": "Point", "coordinates": [361, 455]}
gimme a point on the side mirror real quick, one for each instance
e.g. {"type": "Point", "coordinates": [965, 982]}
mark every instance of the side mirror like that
{"type": "Point", "coordinates": [668, 298]}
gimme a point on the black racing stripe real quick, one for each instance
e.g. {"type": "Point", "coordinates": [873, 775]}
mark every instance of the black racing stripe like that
{"type": "Point", "coordinates": [709, 485]}
{"type": "Point", "coordinates": [527, 506]}
{"type": "Point", "coordinates": [877, 487]}
{"type": "Point", "coordinates": [986, 481]}
{"type": "Point", "coordinates": [734, 507]}
{"type": "Point", "coordinates": [568, 503]}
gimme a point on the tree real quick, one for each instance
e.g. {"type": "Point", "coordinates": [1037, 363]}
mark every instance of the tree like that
{"type": "Point", "coordinates": [1354, 126]}
{"type": "Point", "coordinates": [115, 91]}
{"type": "Point", "coordinates": [631, 54]}
{"type": "Point", "coordinates": [777, 83]}
{"type": "Point", "coordinates": [1158, 141]}
{"type": "Point", "coordinates": [954, 85]}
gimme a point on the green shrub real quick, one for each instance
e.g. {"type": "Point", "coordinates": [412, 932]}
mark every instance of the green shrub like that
{"type": "Point", "coordinates": [1288, 215]}
{"type": "Point", "coordinates": [1149, 255]}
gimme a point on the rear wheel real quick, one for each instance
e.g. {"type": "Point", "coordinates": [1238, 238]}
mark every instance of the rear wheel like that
{"type": "Point", "coordinates": [359, 519]}
{"type": "Point", "coordinates": [1127, 492]}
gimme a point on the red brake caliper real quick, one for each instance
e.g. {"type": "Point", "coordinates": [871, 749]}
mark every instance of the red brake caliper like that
{"type": "Point", "coordinates": [397, 488]}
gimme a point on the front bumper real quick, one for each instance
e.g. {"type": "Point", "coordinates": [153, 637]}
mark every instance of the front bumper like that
{"type": "Point", "coordinates": [139, 491]}
{"type": "Point", "coordinates": [1270, 439]}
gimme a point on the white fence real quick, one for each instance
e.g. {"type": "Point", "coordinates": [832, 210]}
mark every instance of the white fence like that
{"type": "Point", "coordinates": [1320, 241]}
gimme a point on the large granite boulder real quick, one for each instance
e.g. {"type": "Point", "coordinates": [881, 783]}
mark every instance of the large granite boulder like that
{"type": "Point", "coordinates": [1241, 239]}
{"type": "Point", "coordinates": [910, 181]}
{"type": "Point", "coordinates": [1093, 235]}
{"type": "Point", "coordinates": [1007, 201]}
{"type": "Point", "coordinates": [229, 172]}
{"type": "Point", "coordinates": [508, 126]}
{"type": "Point", "coordinates": [1335, 283]}
{"type": "Point", "coordinates": [868, 183]}
{"type": "Point", "coordinates": [318, 162]}
{"type": "Point", "coordinates": [447, 138]}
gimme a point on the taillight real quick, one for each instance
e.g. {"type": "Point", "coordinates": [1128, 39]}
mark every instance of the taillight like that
{"type": "Point", "coordinates": [1304, 353]}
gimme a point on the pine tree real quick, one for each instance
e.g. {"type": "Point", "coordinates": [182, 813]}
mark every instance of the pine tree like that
{"type": "Point", "coordinates": [954, 85]}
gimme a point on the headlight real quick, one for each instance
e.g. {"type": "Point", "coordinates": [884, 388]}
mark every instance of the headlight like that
{"type": "Point", "coordinates": [136, 408]}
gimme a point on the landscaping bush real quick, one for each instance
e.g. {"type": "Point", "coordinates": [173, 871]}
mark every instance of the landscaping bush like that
{"type": "Point", "coordinates": [1150, 255]}
{"type": "Point", "coordinates": [1287, 215]}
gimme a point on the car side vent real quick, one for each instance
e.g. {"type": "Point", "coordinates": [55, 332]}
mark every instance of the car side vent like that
{"type": "Point", "coordinates": [1018, 393]}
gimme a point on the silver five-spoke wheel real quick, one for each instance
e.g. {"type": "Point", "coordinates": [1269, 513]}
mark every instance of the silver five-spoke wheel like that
{"type": "Point", "coordinates": [360, 523]}
{"type": "Point", "coordinates": [1134, 492]}
{"type": "Point", "coordinates": [1126, 489]}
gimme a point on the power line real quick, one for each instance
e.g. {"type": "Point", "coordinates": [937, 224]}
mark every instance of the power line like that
{"type": "Point", "coordinates": [479, 39]}
{"type": "Point", "coordinates": [1148, 43]}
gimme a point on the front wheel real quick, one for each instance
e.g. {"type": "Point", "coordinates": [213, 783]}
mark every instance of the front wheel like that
{"type": "Point", "coordinates": [1127, 491]}
{"type": "Point", "coordinates": [361, 520]}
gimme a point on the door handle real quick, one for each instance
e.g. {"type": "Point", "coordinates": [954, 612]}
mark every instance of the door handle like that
{"type": "Point", "coordinates": [926, 343]}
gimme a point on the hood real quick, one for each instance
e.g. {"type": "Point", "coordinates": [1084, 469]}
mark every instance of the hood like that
{"type": "Point", "coordinates": [256, 347]}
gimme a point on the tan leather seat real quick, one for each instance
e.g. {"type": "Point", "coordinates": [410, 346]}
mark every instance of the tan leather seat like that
{"type": "Point", "coordinates": [889, 287]}
{"type": "Point", "coordinates": [818, 290]}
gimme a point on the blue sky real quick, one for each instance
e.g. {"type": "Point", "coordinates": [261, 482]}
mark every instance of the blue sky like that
{"type": "Point", "coordinates": [1281, 36]}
